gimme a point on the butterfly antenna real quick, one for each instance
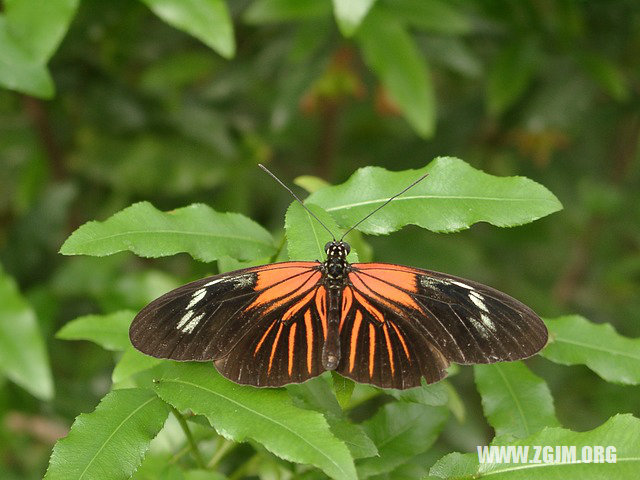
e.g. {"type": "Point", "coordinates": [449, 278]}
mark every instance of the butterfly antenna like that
{"type": "Point", "coordinates": [298, 199]}
{"type": "Point", "coordinates": [385, 203]}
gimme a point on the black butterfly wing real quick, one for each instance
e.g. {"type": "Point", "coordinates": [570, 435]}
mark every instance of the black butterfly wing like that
{"type": "Point", "coordinates": [400, 324]}
{"type": "Point", "coordinates": [261, 326]}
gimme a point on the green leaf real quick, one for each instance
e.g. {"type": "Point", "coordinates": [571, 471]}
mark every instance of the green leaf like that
{"type": "Point", "coordinates": [306, 238]}
{"type": "Point", "coordinates": [268, 11]}
{"type": "Point", "coordinates": [510, 75]}
{"type": "Point", "coordinates": [620, 431]}
{"type": "Point", "coordinates": [197, 230]}
{"type": "Point", "coordinates": [391, 52]}
{"type": "Point", "coordinates": [434, 395]}
{"type": "Point", "coordinates": [354, 437]}
{"type": "Point", "coordinates": [23, 354]}
{"type": "Point", "coordinates": [132, 362]}
{"type": "Point", "coordinates": [110, 331]}
{"type": "Point", "coordinates": [264, 415]}
{"type": "Point", "coordinates": [343, 388]}
{"type": "Point", "coordinates": [573, 340]}
{"type": "Point", "coordinates": [429, 15]}
{"type": "Point", "coordinates": [316, 394]}
{"type": "Point", "coordinates": [207, 20]}
{"type": "Point", "coordinates": [400, 430]}
{"type": "Point", "coordinates": [515, 401]}
{"type": "Point", "coordinates": [18, 70]}
{"type": "Point", "coordinates": [111, 441]}
{"type": "Point", "coordinates": [453, 197]}
{"type": "Point", "coordinates": [350, 14]}
{"type": "Point", "coordinates": [39, 26]}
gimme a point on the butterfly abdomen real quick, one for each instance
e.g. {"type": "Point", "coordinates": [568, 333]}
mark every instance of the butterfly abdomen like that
{"type": "Point", "coordinates": [331, 349]}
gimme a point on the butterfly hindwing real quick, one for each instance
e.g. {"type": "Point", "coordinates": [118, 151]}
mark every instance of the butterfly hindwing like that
{"type": "Point", "coordinates": [402, 323]}
{"type": "Point", "coordinates": [262, 326]}
{"type": "Point", "coordinates": [380, 347]}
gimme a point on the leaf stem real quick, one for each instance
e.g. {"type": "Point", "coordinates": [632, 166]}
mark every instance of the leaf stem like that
{"type": "Point", "coordinates": [187, 432]}
{"type": "Point", "coordinates": [222, 449]}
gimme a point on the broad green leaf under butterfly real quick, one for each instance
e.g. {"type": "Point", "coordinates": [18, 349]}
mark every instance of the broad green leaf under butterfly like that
{"type": "Point", "coordinates": [132, 362]}
{"type": "Point", "coordinates": [111, 441]}
{"type": "Point", "coordinates": [573, 340]}
{"type": "Point", "coordinates": [110, 331]}
{"type": "Point", "coordinates": [306, 238]}
{"type": "Point", "coordinates": [197, 230]}
{"type": "Point", "coordinates": [453, 197]}
{"type": "Point", "coordinates": [391, 52]}
{"type": "Point", "coordinates": [23, 355]}
{"type": "Point", "coordinates": [400, 430]}
{"type": "Point", "coordinates": [317, 394]}
{"type": "Point", "coordinates": [207, 20]}
{"type": "Point", "coordinates": [515, 401]}
{"type": "Point", "coordinates": [264, 415]}
{"type": "Point", "coordinates": [620, 431]}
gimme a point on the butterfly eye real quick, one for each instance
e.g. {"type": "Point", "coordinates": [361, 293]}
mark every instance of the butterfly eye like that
{"type": "Point", "coordinates": [347, 247]}
{"type": "Point", "coordinates": [326, 247]}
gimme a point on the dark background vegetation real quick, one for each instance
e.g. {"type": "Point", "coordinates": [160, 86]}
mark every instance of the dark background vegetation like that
{"type": "Point", "coordinates": [545, 89]}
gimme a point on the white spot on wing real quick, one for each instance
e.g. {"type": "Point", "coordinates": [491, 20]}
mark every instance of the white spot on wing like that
{"type": "Point", "coordinates": [193, 323]}
{"type": "Point", "coordinates": [197, 296]}
{"type": "Point", "coordinates": [463, 285]}
{"type": "Point", "coordinates": [185, 318]}
{"type": "Point", "coordinates": [240, 280]}
{"type": "Point", "coordinates": [479, 326]}
{"type": "Point", "coordinates": [478, 301]}
{"type": "Point", "coordinates": [488, 322]}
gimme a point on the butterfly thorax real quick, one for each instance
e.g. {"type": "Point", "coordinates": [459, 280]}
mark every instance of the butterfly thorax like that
{"type": "Point", "coordinates": [336, 266]}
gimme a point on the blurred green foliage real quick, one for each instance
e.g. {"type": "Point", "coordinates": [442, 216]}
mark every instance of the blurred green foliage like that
{"type": "Point", "coordinates": [125, 107]}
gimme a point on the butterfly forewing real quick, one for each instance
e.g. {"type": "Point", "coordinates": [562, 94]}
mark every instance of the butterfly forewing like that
{"type": "Point", "coordinates": [403, 323]}
{"type": "Point", "coordinates": [262, 326]}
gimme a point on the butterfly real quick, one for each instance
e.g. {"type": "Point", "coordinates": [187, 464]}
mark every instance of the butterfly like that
{"type": "Point", "coordinates": [378, 323]}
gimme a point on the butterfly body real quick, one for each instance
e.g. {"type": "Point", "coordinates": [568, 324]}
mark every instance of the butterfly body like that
{"type": "Point", "coordinates": [384, 324]}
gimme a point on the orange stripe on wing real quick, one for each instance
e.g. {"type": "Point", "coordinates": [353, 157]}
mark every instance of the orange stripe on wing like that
{"type": "Point", "coordinates": [375, 313]}
{"type": "Point", "coordinates": [309, 329]}
{"type": "Point", "coordinates": [355, 331]}
{"type": "Point", "coordinates": [371, 267]}
{"type": "Point", "coordinates": [278, 294]}
{"type": "Point", "coordinates": [347, 300]}
{"type": "Point", "coordinates": [297, 306]}
{"type": "Point", "coordinates": [383, 291]}
{"type": "Point", "coordinates": [404, 345]}
{"type": "Point", "coordinates": [372, 348]}
{"type": "Point", "coordinates": [292, 344]}
{"type": "Point", "coordinates": [389, 349]}
{"type": "Point", "coordinates": [321, 307]}
{"type": "Point", "coordinates": [273, 348]}
{"type": "Point", "coordinates": [255, 352]}
{"type": "Point", "coordinates": [269, 275]}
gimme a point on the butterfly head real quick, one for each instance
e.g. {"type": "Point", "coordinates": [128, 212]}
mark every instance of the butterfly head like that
{"type": "Point", "coordinates": [337, 249]}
